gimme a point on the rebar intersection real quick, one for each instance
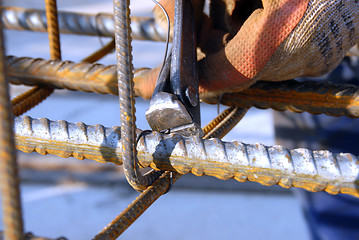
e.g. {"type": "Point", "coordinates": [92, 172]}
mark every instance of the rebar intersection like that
{"type": "Point", "coordinates": [311, 170]}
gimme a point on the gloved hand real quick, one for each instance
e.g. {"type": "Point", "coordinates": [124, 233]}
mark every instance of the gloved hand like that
{"type": "Point", "coordinates": [248, 40]}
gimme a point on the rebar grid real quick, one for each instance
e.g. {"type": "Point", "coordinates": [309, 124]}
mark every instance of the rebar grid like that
{"type": "Point", "coordinates": [36, 95]}
{"type": "Point", "coordinates": [313, 97]}
{"type": "Point", "coordinates": [127, 98]}
{"type": "Point", "coordinates": [9, 179]}
{"type": "Point", "coordinates": [102, 24]}
{"type": "Point", "coordinates": [314, 171]}
{"type": "Point", "coordinates": [221, 125]}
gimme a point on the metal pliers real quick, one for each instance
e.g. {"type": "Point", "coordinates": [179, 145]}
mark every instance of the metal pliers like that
{"type": "Point", "coordinates": [174, 104]}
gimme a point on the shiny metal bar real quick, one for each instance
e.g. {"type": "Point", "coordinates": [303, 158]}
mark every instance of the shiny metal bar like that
{"type": "Point", "coordinates": [311, 170]}
{"type": "Point", "coordinates": [101, 24]}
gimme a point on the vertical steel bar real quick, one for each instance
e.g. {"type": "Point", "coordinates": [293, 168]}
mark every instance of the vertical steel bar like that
{"type": "Point", "coordinates": [127, 98]}
{"type": "Point", "coordinates": [36, 95]}
{"type": "Point", "coordinates": [9, 179]}
{"type": "Point", "coordinates": [220, 126]}
{"type": "Point", "coordinates": [53, 29]}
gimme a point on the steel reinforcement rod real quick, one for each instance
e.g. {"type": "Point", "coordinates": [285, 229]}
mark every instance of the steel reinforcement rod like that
{"type": "Point", "coordinates": [127, 99]}
{"type": "Point", "coordinates": [311, 170]}
{"type": "Point", "coordinates": [312, 97]}
{"type": "Point", "coordinates": [221, 125]}
{"type": "Point", "coordinates": [9, 178]}
{"type": "Point", "coordinates": [102, 24]}
{"type": "Point", "coordinates": [36, 95]}
{"type": "Point", "coordinates": [22, 103]}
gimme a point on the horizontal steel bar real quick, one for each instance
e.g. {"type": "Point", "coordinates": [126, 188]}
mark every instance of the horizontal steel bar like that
{"type": "Point", "coordinates": [313, 97]}
{"type": "Point", "coordinates": [102, 24]}
{"type": "Point", "coordinates": [86, 77]}
{"type": "Point", "coordinates": [311, 170]}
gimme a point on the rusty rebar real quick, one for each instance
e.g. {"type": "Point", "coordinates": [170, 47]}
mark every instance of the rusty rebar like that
{"type": "Point", "coordinates": [118, 225]}
{"type": "Point", "coordinates": [102, 24]}
{"type": "Point", "coordinates": [24, 102]}
{"type": "Point", "coordinates": [221, 125]}
{"type": "Point", "coordinates": [106, 49]}
{"type": "Point", "coordinates": [9, 179]}
{"type": "Point", "coordinates": [53, 29]}
{"type": "Point", "coordinates": [29, 99]}
{"type": "Point", "coordinates": [224, 122]}
{"type": "Point", "coordinates": [127, 98]}
{"type": "Point", "coordinates": [38, 94]}
{"type": "Point", "coordinates": [312, 97]}
{"type": "Point", "coordinates": [311, 170]}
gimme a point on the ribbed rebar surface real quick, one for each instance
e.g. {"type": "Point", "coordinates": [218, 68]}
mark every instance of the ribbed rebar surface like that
{"type": "Point", "coordinates": [143, 28]}
{"type": "Point", "coordinates": [224, 122]}
{"type": "Point", "coordinates": [311, 170]}
{"type": "Point", "coordinates": [312, 97]}
{"type": "Point", "coordinates": [127, 98]}
{"type": "Point", "coordinates": [221, 125]}
{"type": "Point", "coordinates": [9, 179]}
{"type": "Point", "coordinates": [106, 49]}
{"type": "Point", "coordinates": [53, 29]}
{"type": "Point", "coordinates": [33, 97]}
{"type": "Point", "coordinates": [29, 99]}
{"type": "Point", "coordinates": [118, 225]}
{"type": "Point", "coordinates": [69, 75]}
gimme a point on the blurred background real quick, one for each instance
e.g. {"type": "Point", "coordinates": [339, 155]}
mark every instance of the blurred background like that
{"type": "Point", "coordinates": [76, 199]}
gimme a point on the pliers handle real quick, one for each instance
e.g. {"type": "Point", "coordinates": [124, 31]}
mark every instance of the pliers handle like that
{"type": "Point", "coordinates": [174, 104]}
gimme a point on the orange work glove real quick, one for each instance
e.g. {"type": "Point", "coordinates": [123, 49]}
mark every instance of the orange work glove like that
{"type": "Point", "coordinates": [280, 40]}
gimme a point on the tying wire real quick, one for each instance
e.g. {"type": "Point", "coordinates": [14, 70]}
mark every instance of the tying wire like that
{"type": "Point", "coordinates": [168, 33]}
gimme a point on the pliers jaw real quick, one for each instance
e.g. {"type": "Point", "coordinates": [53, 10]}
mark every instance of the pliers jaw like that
{"type": "Point", "coordinates": [174, 104]}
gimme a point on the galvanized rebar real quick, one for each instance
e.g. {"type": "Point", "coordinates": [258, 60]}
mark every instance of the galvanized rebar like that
{"type": "Point", "coordinates": [9, 179]}
{"type": "Point", "coordinates": [102, 24]}
{"type": "Point", "coordinates": [311, 170]}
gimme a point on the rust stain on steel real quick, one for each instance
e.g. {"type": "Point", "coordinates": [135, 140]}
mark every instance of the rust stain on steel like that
{"type": "Point", "coordinates": [29, 99]}
{"type": "Point", "coordinates": [9, 178]}
{"type": "Point", "coordinates": [311, 170]}
{"type": "Point", "coordinates": [315, 98]}
{"type": "Point", "coordinates": [220, 125]}
{"type": "Point", "coordinates": [118, 225]}
{"type": "Point", "coordinates": [81, 76]}
{"type": "Point", "coordinates": [36, 95]}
